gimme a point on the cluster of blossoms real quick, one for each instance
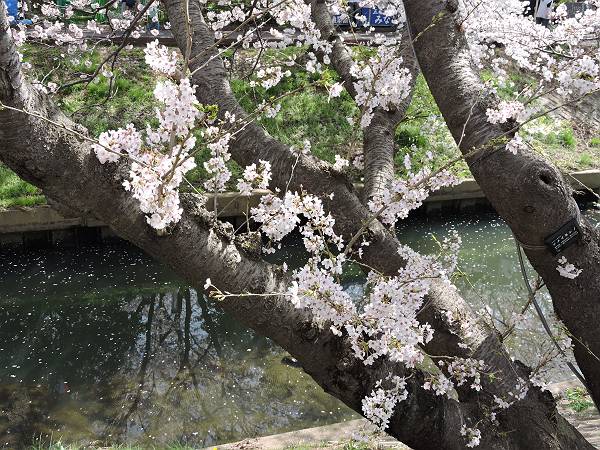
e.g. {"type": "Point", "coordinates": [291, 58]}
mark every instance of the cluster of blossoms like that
{"type": "Point", "coordinates": [269, 110]}
{"type": "Point", "coordinates": [216, 166]}
{"type": "Point", "coordinates": [358, 162]}
{"type": "Point", "coordinates": [53, 23]}
{"type": "Point", "coordinates": [438, 383]}
{"type": "Point", "coordinates": [403, 196]}
{"type": "Point", "coordinates": [566, 269]}
{"type": "Point", "coordinates": [161, 59]}
{"type": "Point", "coordinates": [220, 19]}
{"type": "Point", "coordinates": [340, 163]}
{"type": "Point", "coordinates": [579, 77]}
{"type": "Point", "coordinates": [335, 90]}
{"type": "Point", "coordinates": [461, 369]}
{"type": "Point", "coordinates": [269, 77]}
{"type": "Point", "coordinates": [113, 144]}
{"type": "Point", "coordinates": [298, 15]}
{"type": "Point", "coordinates": [516, 144]}
{"type": "Point", "coordinates": [472, 435]}
{"type": "Point", "coordinates": [316, 289]}
{"type": "Point", "coordinates": [161, 159]}
{"type": "Point", "coordinates": [279, 217]}
{"type": "Point", "coordinates": [382, 81]}
{"type": "Point", "coordinates": [18, 35]}
{"type": "Point", "coordinates": [505, 111]}
{"type": "Point", "coordinates": [155, 186]}
{"type": "Point", "coordinates": [386, 325]}
{"type": "Point", "coordinates": [255, 178]}
{"type": "Point", "coordinates": [521, 389]}
{"type": "Point", "coordinates": [558, 56]}
{"type": "Point", "coordinates": [379, 405]}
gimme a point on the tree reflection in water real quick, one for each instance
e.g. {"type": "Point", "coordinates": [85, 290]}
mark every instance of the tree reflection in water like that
{"type": "Point", "coordinates": [151, 365]}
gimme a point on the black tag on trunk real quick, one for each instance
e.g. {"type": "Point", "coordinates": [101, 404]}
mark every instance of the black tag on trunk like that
{"type": "Point", "coordinates": [563, 237]}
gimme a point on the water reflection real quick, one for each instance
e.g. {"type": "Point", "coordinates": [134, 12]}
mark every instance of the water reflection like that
{"type": "Point", "coordinates": [100, 355]}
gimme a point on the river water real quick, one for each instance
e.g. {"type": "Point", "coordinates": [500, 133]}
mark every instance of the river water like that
{"type": "Point", "coordinates": [103, 345]}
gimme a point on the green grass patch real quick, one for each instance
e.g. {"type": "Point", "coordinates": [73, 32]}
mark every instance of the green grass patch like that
{"type": "Point", "coordinates": [585, 160]}
{"type": "Point", "coordinates": [16, 192]}
{"type": "Point", "coordinates": [308, 115]}
{"type": "Point", "coordinates": [423, 131]}
{"type": "Point", "coordinates": [566, 137]}
{"type": "Point", "coordinates": [579, 399]}
{"type": "Point", "coordinates": [347, 445]}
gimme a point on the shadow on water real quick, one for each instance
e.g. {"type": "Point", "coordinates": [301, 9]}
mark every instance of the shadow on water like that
{"type": "Point", "coordinates": [103, 345]}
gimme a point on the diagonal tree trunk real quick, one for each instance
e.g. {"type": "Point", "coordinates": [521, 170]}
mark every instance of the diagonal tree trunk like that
{"type": "Point", "coordinates": [254, 144]}
{"type": "Point", "coordinates": [528, 192]}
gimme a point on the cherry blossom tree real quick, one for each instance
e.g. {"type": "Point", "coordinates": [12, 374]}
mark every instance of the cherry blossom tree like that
{"type": "Point", "coordinates": [372, 354]}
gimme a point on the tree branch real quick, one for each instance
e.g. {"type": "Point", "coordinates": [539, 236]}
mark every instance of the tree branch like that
{"type": "Point", "coordinates": [378, 137]}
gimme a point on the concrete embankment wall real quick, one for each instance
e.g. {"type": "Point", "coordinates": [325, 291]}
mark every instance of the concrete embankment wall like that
{"type": "Point", "coordinates": [42, 225]}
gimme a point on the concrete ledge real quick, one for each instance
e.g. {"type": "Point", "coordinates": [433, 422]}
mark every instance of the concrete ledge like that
{"type": "Point", "coordinates": [333, 436]}
{"type": "Point", "coordinates": [45, 218]}
{"type": "Point", "coordinates": [230, 205]}
{"type": "Point", "coordinates": [466, 189]}
{"type": "Point", "coordinates": [40, 218]}
{"type": "Point", "coordinates": [469, 189]}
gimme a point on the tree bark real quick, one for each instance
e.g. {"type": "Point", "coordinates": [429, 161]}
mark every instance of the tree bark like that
{"type": "Point", "coordinates": [528, 192]}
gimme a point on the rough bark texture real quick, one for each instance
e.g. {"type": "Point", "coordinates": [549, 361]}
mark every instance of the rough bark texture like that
{"type": "Point", "coordinates": [68, 172]}
{"type": "Point", "coordinates": [527, 191]}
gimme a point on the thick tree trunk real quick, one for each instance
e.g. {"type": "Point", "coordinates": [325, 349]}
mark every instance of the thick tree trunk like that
{"type": "Point", "coordinates": [528, 192]}
{"type": "Point", "coordinates": [56, 161]}
{"type": "Point", "coordinates": [350, 214]}
{"type": "Point", "coordinates": [379, 149]}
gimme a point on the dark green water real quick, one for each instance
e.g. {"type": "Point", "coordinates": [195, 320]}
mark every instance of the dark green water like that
{"type": "Point", "coordinates": [103, 345]}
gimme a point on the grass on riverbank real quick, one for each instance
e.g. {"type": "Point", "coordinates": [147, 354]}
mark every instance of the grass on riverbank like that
{"type": "Point", "coordinates": [307, 115]}
{"type": "Point", "coordinates": [578, 399]}
{"type": "Point", "coordinates": [15, 192]}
